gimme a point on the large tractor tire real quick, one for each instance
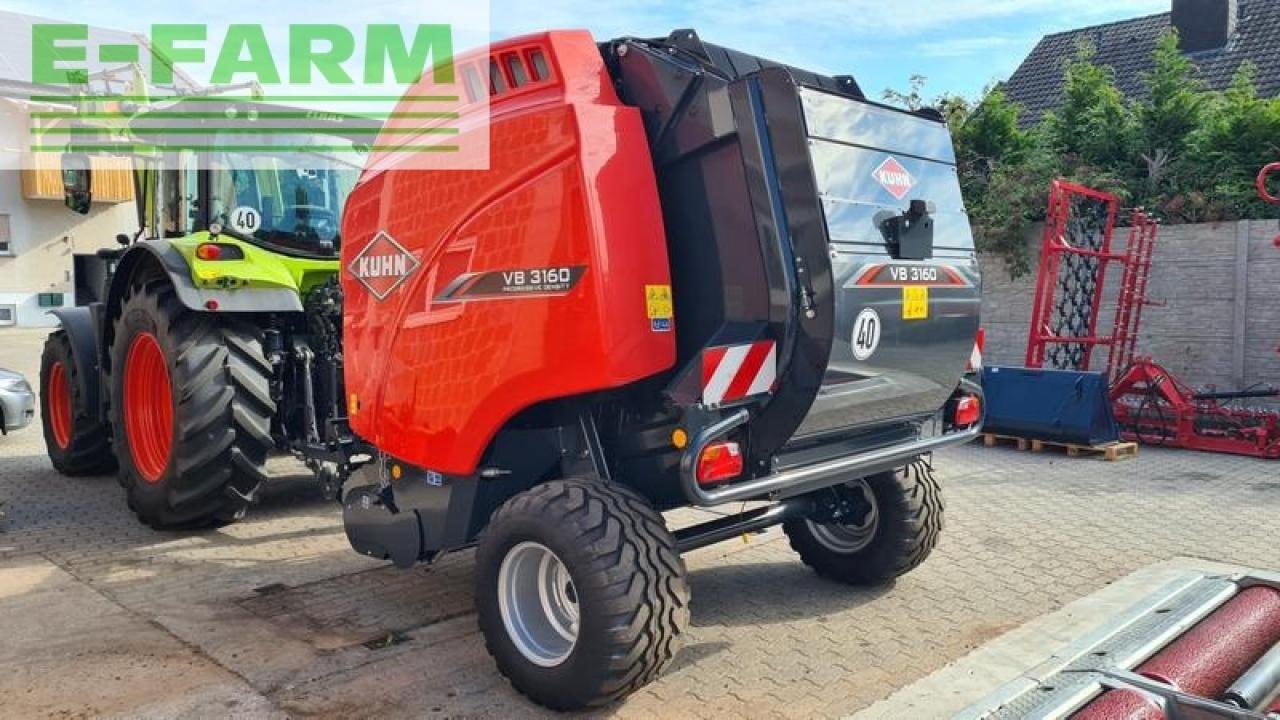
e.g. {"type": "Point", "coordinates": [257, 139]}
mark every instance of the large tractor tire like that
{"type": "Point", "coordinates": [191, 406]}
{"type": "Point", "coordinates": [77, 441]}
{"type": "Point", "coordinates": [580, 593]}
{"type": "Point", "coordinates": [892, 524]}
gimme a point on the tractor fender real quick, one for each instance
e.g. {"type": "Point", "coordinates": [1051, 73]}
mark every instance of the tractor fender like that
{"type": "Point", "coordinates": [169, 260]}
{"type": "Point", "coordinates": [80, 328]}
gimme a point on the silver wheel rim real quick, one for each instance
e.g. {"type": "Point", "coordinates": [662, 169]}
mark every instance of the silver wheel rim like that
{"type": "Point", "coordinates": [848, 537]}
{"type": "Point", "coordinates": [539, 604]}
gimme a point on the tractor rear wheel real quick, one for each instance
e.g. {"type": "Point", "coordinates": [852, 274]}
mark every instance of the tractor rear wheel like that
{"type": "Point", "coordinates": [77, 441]}
{"type": "Point", "coordinates": [191, 406]}
{"type": "Point", "coordinates": [580, 593]}
{"type": "Point", "coordinates": [890, 523]}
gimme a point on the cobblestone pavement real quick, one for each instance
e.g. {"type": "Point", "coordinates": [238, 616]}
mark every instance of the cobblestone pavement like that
{"type": "Point", "coordinates": [282, 606]}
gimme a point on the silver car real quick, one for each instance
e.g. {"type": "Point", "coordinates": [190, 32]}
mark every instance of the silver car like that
{"type": "Point", "coordinates": [17, 402]}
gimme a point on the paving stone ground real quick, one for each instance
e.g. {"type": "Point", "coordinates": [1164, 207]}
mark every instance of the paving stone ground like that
{"type": "Point", "coordinates": [282, 617]}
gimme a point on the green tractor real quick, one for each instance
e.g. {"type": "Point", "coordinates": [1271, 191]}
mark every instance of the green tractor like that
{"type": "Point", "coordinates": [211, 338]}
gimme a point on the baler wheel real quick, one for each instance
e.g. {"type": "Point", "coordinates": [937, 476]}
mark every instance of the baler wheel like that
{"type": "Point", "coordinates": [889, 538]}
{"type": "Point", "coordinates": [77, 441]}
{"type": "Point", "coordinates": [580, 592]}
{"type": "Point", "coordinates": [191, 406]}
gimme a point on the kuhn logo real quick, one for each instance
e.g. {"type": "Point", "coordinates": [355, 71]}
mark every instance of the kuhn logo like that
{"type": "Point", "coordinates": [894, 178]}
{"type": "Point", "coordinates": [382, 265]}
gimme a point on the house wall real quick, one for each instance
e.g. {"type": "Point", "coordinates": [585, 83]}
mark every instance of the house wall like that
{"type": "Point", "coordinates": [1218, 317]}
{"type": "Point", "coordinates": [44, 234]}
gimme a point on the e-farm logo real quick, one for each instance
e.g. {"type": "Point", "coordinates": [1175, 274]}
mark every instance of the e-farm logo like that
{"type": "Point", "coordinates": [321, 92]}
{"type": "Point", "coordinates": [245, 53]}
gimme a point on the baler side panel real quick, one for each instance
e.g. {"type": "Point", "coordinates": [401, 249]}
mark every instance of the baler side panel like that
{"type": "Point", "coordinates": [570, 186]}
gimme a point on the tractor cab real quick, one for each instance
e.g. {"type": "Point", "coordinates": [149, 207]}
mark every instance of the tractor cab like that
{"type": "Point", "coordinates": [280, 189]}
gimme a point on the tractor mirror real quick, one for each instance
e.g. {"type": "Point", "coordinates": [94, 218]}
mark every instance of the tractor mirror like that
{"type": "Point", "coordinates": [77, 182]}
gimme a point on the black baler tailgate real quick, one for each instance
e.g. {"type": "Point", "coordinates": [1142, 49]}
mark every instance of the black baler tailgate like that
{"type": "Point", "coordinates": [904, 328]}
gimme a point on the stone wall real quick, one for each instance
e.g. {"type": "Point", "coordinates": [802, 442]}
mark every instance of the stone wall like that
{"type": "Point", "coordinates": [1218, 318]}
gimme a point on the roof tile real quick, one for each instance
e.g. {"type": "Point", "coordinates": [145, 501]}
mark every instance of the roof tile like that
{"type": "Point", "coordinates": [1127, 47]}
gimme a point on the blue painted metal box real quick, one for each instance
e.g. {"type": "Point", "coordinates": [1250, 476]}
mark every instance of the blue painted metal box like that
{"type": "Point", "coordinates": [1058, 405]}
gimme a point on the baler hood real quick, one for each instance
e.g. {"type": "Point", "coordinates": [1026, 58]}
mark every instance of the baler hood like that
{"type": "Point", "coordinates": [799, 213]}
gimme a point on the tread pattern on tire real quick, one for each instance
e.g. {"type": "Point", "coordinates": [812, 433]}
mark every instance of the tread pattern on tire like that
{"type": "Point", "coordinates": [89, 452]}
{"type": "Point", "coordinates": [632, 559]}
{"type": "Point", "coordinates": [911, 516]}
{"type": "Point", "coordinates": [223, 411]}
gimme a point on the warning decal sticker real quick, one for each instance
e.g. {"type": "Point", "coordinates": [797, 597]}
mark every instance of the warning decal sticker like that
{"type": "Point", "coordinates": [659, 307]}
{"type": "Point", "coordinates": [915, 302]}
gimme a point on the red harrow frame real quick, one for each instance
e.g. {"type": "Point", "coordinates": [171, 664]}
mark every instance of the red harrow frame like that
{"type": "Point", "coordinates": [1150, 404]}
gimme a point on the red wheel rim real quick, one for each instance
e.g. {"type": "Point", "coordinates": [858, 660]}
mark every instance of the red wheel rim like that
{"type": "Point", "coordinates": [59, 394]}
{"type": "Point", "coordinates": [148, 407]}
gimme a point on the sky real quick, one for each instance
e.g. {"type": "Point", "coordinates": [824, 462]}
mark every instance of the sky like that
{"type": "Point", "coordinates": [961, 46]}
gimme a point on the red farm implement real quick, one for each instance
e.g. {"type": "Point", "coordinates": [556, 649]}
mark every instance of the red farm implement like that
{"type": "Point", "coordinates": [1150, 404]}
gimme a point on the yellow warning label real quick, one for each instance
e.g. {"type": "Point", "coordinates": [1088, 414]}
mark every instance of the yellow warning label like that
{"type": "Point", "coordinates": [915, 302]}
{"type": "Point", "coordinates": [657, 299]}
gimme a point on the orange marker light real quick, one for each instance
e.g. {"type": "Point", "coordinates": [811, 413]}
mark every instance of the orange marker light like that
{"type": "Point", "coordinates": [680, 438]}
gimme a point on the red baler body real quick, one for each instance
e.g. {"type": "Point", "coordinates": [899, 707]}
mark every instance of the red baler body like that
{"type": "Point", "coordinates": [570, 185]}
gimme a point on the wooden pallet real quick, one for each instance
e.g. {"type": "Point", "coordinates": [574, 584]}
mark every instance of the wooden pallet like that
{"type": "Point", "coordinates": [1110, 451]}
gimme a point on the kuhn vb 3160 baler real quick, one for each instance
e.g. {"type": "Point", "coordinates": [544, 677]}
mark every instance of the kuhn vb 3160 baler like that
{"type": "Point", "coordinates": [690, 277]}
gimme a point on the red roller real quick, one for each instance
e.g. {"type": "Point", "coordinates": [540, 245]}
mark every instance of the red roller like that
{"type": "Point", "coordinates": [1205, 660]}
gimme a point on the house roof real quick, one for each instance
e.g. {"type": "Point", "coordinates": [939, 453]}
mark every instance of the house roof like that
{"type": "Point", "coordinates": [1127, 47]}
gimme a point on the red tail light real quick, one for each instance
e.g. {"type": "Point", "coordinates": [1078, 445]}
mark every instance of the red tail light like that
{"type": "Point", "coordinates": [968, 411]}
{"type": "Point", "coordinates": [217, 251]}
{"type": "Point", "coordinates": [719, 462]}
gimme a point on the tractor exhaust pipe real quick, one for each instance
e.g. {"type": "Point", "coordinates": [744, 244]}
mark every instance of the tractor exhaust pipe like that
{"type": "Point", "coordinates": [732, 526]}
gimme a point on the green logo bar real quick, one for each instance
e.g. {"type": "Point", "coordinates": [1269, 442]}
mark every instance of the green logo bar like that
{"type": "Point", "coordinates": [319, 89]}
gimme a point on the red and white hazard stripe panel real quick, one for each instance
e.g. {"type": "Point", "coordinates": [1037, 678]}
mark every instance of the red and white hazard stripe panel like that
{"type": "Point", "coordinates": [975, 357]}
{"type": "Point", "coordinates": [734, 372]}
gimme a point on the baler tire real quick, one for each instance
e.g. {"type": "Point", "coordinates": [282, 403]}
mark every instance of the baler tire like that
{"type": "Point", "coordinates": [628, 582]}
{"type": "Point", "coordinates": [221, 410]}
{"type": "Point", "coordinates": [86, 447]}
{"type": "Point", "coordinates": [910, 510]}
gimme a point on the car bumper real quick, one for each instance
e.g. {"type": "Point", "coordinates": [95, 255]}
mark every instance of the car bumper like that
{"type": "Point", "coordinates": [19, 409]}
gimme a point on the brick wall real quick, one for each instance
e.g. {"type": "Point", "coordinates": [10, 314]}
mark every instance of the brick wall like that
{"type": "Point", "coordinates": [1219, 323]}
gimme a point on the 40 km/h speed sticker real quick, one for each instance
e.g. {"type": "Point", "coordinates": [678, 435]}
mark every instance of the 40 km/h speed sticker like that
{"type": "Point", "coordinates": [246, 220]}
{"type": "Point", "coordinates": [866, 334]}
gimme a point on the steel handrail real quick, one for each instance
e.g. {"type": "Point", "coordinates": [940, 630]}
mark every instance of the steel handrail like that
{"type": "Point", "coordinates": [835, 469]}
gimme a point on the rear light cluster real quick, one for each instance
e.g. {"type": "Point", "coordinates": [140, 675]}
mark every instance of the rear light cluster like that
{"type": "Point", "coordinates": [968, 411]}
{"type": "Point", "coordinates": [719, 462]}
{"type": "Point", "coordinates": [219, 251]}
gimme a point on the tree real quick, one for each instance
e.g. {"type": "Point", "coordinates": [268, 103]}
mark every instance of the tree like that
{"type": "Point", "coordinates": [990, 133]}
{"type": "Point", "coordinates": [1093, 122]}
{"type": "Point", "coordinates": [912, 99]}
{"type": "Point", "coordinates": [1172, 111]}
{"type": "Point", "coordinates": [1176, 100]}
{"type": "Point", "coordinates": [1240, 134]}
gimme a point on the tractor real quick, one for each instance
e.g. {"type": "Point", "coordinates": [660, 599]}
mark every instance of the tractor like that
{"type": "Point", "coordinates": [210, 338]}
{"type": "Point", "coordinates": [689, 277]}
